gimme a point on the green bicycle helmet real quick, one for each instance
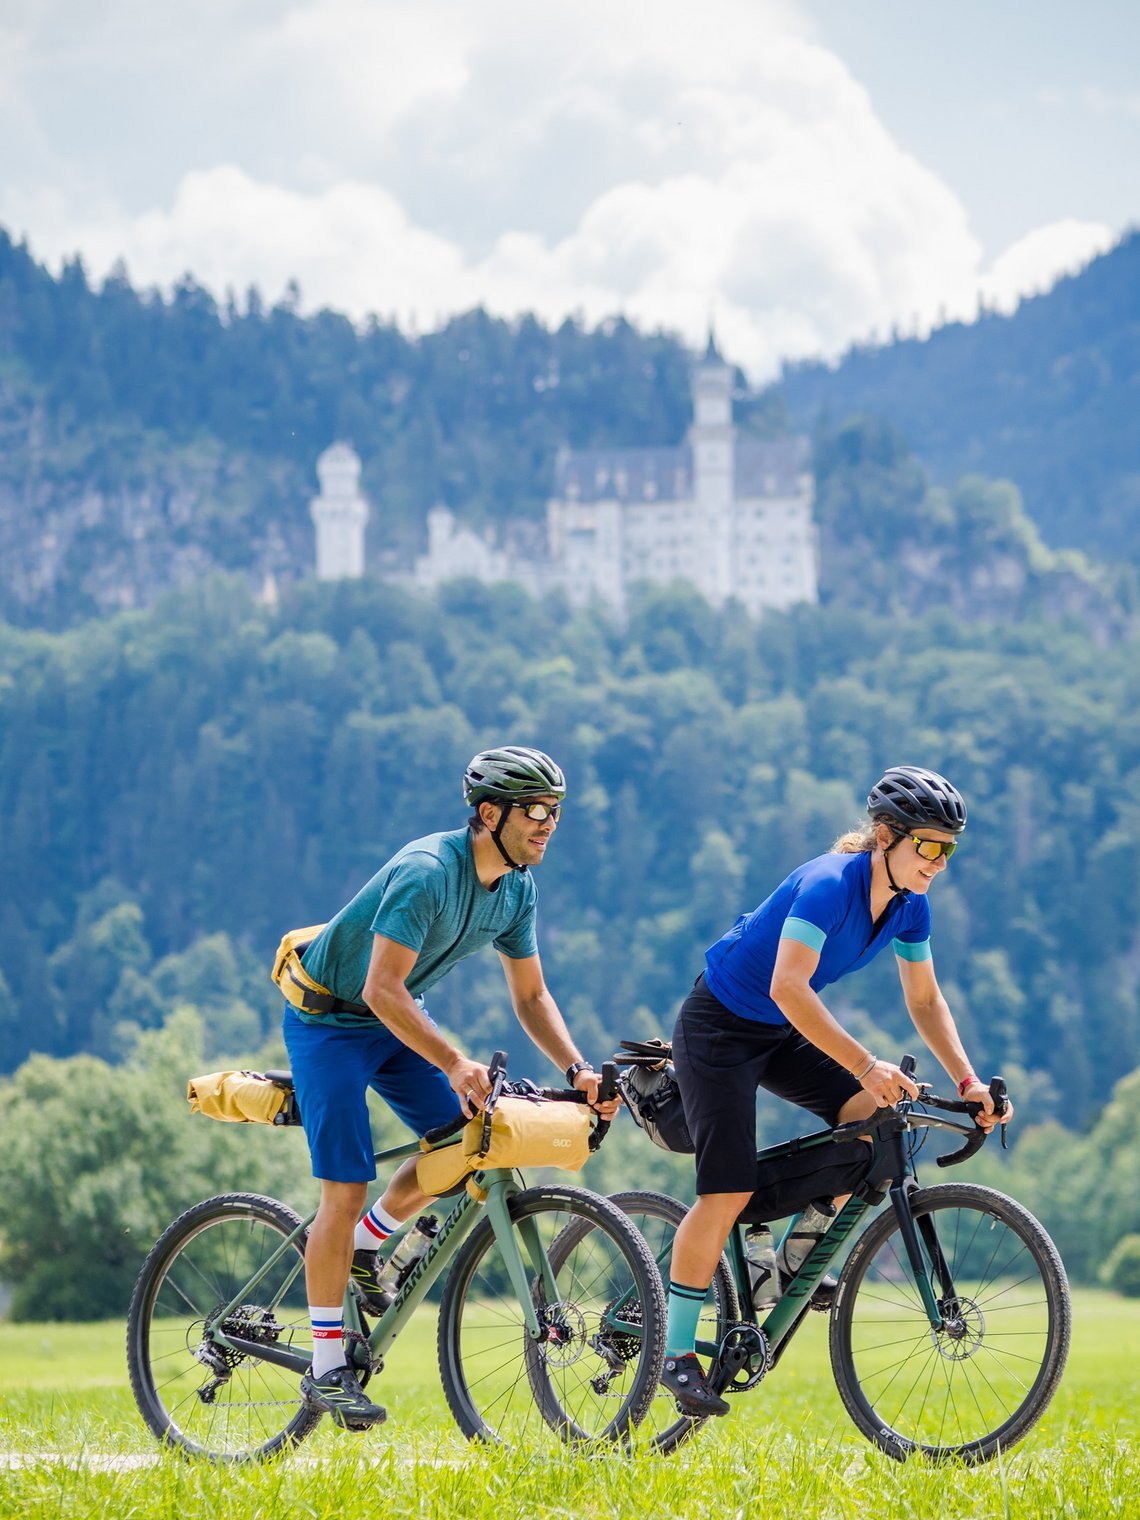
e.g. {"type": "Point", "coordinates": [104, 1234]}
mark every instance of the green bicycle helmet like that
{"type": "Point", "coordinates": [512, 774]}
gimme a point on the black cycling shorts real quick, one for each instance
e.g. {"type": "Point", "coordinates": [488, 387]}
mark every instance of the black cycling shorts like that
{"type": "Point", "coordinates": [721, 1059]}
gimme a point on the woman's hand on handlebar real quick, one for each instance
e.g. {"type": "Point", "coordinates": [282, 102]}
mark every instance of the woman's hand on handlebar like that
{"type": "Point", "coordinates": [979, 1092]}
{"type": "Point", "coordinates": [588, 1082]}
{"type": "Point", "coordinates": [887, 1083]}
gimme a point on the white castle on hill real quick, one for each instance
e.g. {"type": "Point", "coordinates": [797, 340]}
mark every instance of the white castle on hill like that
{"type": "Point", "coordinates": [732, 516]}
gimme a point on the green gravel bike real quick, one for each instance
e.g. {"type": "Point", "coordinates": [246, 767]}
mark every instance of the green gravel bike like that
{"type": "Point", "coordinates": [950, 1326]}
{"type": "Point", "coordinates": [533, 1347]}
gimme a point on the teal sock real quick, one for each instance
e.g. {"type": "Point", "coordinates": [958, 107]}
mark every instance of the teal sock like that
{"type": "Point", "coordinates": [684, 1311]}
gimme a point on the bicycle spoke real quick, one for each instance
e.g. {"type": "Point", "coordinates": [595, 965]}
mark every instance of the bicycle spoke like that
{"type": "Point", "coordinates": [582, 1379]}
{"type": "Point", "coordinates": [231, 1406]}
{"type": "Point", "coordinates": [980, 1379]}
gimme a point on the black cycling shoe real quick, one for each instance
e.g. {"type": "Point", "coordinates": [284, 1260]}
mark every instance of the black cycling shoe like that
{"type": "Point", "coordinates": [823, 1297]}
{"type": "Point", "coordinates": [684, 1378]}
{"type": "Point", "coordinates": [337, 1393]}
{"type": "Point", "coordinates": [366, 1268]}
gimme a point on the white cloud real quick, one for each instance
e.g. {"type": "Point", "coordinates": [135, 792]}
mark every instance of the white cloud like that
{"type": "Point", "coordinates": [417, 160]}
{"type": "Point", "coordinates": [1037, 261]}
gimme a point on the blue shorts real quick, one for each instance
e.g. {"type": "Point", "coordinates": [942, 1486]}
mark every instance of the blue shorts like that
{"type": "Point", "coordinates": [334, 1067]}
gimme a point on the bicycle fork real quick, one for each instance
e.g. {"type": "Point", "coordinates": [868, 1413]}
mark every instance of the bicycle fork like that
{"type": "Point", "coordinates": [923, 1264]}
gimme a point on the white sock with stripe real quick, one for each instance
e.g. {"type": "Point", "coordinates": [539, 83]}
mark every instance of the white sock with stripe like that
{"type": "Point", "coordinates": [374, 1229]}
{"type": "Point", "coordinates": [328, 1338]}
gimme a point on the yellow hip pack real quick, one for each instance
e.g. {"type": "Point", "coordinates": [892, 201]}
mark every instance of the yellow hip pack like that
{"type": "Point", "coordinates": [237, 1097]}
{"type": "Point", "coordinates": [523, 1133]}
{"type": "Point", "coordinates": [297, 986]}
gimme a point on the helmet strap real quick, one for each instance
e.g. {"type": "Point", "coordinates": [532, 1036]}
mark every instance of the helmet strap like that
{"type": "Point", "coordinates": [504, 810]}
{"type": "Point", "coordinates": [887, 862]}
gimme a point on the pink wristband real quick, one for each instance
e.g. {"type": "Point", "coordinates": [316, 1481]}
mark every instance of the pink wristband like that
{"type": "Point", "coordinates": [965, 1082]}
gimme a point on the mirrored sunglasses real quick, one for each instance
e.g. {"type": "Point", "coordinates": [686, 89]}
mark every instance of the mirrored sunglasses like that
{"type": "Point", "coordinates": [539, 812]}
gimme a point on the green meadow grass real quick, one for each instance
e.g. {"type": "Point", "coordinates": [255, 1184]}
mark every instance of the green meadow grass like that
{"type": "Point", "coordinates": [787, 1449]}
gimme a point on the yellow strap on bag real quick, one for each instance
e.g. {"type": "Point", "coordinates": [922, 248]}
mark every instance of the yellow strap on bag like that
{"type": "Point", "coordinates": [522, 1134]}
{"type": "Point", "coordinates": [236, 1097]}
{"type": "Point", "coordinates": [296, 985]}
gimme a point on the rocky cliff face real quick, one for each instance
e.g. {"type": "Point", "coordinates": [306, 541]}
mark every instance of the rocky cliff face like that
{"type": "Point", "coordinates": [91, 523]}
{"type": "Point", "coordinates": [89, 528]}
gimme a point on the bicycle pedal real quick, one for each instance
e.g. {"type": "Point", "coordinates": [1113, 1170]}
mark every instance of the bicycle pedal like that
{"type": "Point", "coordinates": [357, 1427]}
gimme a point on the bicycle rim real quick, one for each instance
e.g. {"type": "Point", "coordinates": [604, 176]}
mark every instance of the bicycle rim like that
{"type": "Point", "coordinates": [194, 1395]}
{"type": "Point", "coordinates": [657, 1216]}
{"type": "Point", "coordinates": [584, 1381]}
{"type": "Point", "coordinates": [978, 1384]}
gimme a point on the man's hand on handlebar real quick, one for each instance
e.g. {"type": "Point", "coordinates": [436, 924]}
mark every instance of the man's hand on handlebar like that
{"type": "Point", "coordinates": [471, 1084]}
{"type": "Point", "coordinates": [979, 1092]}
{"type": "Point", "coordinates": [588, 1082]}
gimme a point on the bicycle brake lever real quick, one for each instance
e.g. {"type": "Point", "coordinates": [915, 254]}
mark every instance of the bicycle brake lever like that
{"type": "Point", "coordinates": [607, 1089]}
{"type": "Point", "coordinates": [497, 1071]}
{"type": "Point", "coordinates": [999, 1093]}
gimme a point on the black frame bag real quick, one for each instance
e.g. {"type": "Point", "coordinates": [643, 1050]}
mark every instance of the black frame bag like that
{"type": "Point", "coordinates": [788, 1182]}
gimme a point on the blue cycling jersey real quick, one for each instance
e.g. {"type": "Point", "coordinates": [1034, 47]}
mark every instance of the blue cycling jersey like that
{"type": "Point", "coordinates": [826, 904]}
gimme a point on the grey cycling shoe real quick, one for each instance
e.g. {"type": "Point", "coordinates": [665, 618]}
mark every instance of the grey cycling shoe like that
{"type": "Point", "coordinates": [684, 1378]}
{"type": "Point", "coordinates": [339, 1394]}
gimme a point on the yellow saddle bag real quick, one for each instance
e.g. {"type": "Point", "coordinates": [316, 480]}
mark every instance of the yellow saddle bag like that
{"type": "Point", "coordinates": [523, 1133]}
{"type": "Point", "coordinates": [237, 1097]}
{"type": "Point", "coordinates": [296, 985]}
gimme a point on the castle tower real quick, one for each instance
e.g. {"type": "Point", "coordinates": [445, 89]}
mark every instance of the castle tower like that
{"type": "Point", "coordinates": [339, 514]}
{"type": "Point", "coordinates": [712, 439]}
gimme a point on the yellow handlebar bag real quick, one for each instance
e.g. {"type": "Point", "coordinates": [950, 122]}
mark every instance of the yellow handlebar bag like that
{"type": "Point", "coordinates": [237, 1097]}
{"type": "Point", "coordinates": [523, 1133]}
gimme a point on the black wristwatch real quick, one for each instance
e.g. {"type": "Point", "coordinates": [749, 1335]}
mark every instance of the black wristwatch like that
{"type": "Point", "coordinates": [574, 1068]}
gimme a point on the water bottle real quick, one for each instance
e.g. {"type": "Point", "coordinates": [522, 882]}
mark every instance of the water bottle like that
{"type": "Point", "coordinates": [798, 1244]}
{"type": "Point", "coordinates": [763, 1274]}
{"type": "Point", "coordinates": [408, 1251]}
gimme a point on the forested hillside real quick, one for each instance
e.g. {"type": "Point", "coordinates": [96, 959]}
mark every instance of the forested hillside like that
{"type": "Point", "coordinates": [180, 786]}
{"type": "Point", "coordinates": [1048, 398]}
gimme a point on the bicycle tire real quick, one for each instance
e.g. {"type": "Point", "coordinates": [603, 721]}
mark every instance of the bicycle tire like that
{"type": "Point", "coordinates": [583, 1384]}
{"type": "Point", "coordinates": [657, 1216]}
{"type": "Point", "coordinates": [196, 1267]}
{"type": "Point", "coordinates": [979, 1384]}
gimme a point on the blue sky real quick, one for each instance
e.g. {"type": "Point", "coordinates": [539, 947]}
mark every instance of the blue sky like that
{"type": "Point", "coordinates": [804, 172]}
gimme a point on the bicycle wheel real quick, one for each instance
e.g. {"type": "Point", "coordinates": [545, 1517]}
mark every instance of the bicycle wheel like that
{"type": "Point", "coordinates": [980, 1382]}
{"type": "Point", "coordinates": [583, 1380]}
{"type": "Point", "coordinates": [657, 1216]}
{"type": "Point", "coordinates": [195, 1395]}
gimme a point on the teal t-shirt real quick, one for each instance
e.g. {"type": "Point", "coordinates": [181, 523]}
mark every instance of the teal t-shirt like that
{"type": "Point", "coordinates": [428, 897]}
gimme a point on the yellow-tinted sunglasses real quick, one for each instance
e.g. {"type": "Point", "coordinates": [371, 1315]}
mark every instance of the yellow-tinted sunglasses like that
{"type": "Point", "coordinates": [929, 849]}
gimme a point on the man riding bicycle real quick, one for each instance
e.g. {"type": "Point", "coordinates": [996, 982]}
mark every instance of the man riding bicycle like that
{"type": "Point", "coordinates": [436, 901]}
{"type": "Point", "coordinates": [755, 1019]}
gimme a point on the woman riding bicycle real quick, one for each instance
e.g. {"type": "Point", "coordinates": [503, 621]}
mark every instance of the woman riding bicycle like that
{"type": "Point", "coordinates": [755, 1019]}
